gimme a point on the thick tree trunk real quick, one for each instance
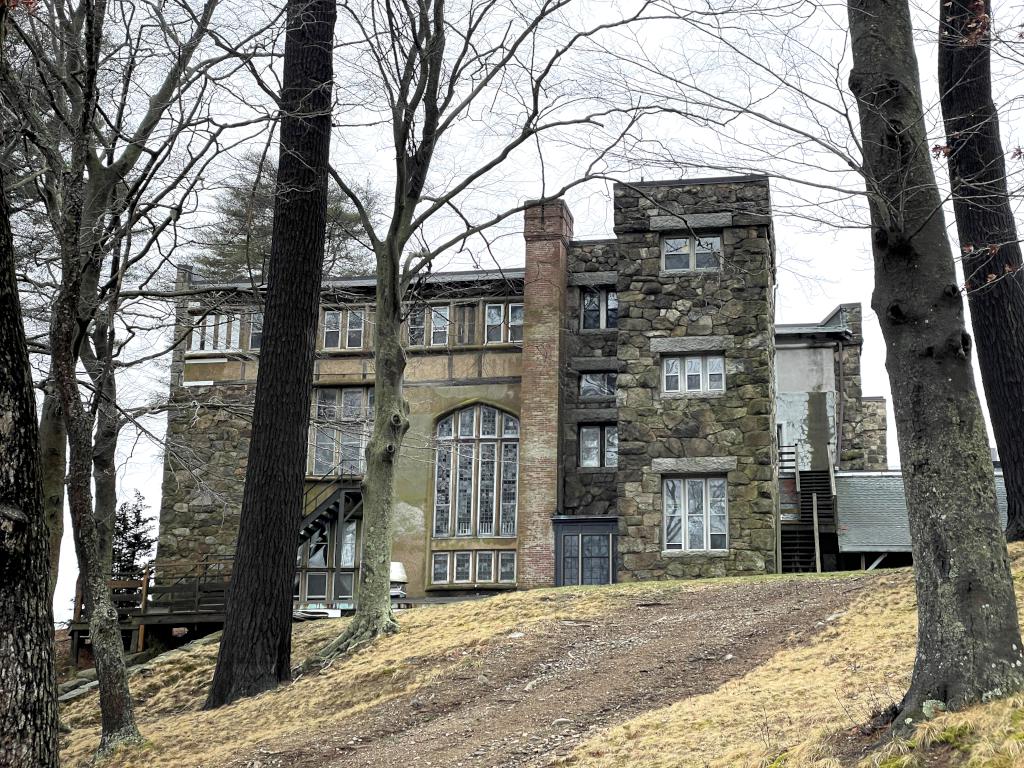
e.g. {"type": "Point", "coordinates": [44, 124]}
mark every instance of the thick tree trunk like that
{"type": "Point", "coordinates": [28, 687]}
{"type": "Point", "coordinates": [969, 645]}
{"type": "Point", "coordinates": [255, 652]}
{"type": "Point", "coordinates": [987, 232]}
{"type": "Point", "coordinates": [53, 449]}
{"type": "Point", "coordinates": [374, 616]}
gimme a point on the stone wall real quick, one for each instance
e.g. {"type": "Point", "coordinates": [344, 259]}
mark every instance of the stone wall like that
{"type": "Point", "coordinates": [587, 491]}
{"type": "Point", "coordinates": [729, 311]}
{"type": "Point", "coordinates": [863, 418]}
{"type": "Point", "coordinates": [205, 456]}
{"type": "Point", "coordinates": [869, 446]}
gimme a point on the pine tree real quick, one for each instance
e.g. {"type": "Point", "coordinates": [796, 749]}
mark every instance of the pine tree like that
{"type": "Point", "coordinates": [133, 538]}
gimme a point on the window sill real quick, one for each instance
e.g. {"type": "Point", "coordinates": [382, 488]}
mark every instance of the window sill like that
{"type": "Point", "coordinates": [692, 395]}
{"type": "Point", "coordinates": [695, 553]}
{"type": "Point", "coordinates": [687, 272]}
{"type": "Point", "coordinates": [599, 330]}
{"type": "Point", "coordinates": [597, 470]}
{"type": "Point", "coordinates": [464, 585]}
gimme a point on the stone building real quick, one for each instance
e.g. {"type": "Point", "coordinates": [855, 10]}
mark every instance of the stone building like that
{"type": "Point", "coordinates": [618, 409]}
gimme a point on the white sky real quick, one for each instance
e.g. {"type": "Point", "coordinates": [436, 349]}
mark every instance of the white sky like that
{"type": "Point", "coordinates": [819, 266]}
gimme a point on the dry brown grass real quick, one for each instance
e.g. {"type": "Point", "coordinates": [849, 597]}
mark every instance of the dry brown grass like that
{"type": "Point", "coordinates": [177, 733]}
{"type": "Point", "coordinates": [787, 712]}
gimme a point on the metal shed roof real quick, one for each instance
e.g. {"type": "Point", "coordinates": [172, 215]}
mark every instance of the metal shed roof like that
{"type": "Point", "coordinates": [871, 511]}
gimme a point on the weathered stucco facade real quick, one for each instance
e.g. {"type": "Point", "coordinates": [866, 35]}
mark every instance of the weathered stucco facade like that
{"type": "Point", "coordinates": [556, 411]}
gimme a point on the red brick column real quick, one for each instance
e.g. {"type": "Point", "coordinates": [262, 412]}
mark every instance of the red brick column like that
{"type": "Point", "coordinates": [547, 230]}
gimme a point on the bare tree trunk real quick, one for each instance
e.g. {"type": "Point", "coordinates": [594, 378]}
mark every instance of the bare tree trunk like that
{"type": "Point", "coordinates": [98, 364]}
{"type": "Point", "coordinates": [374, 616]}
{"type": "Point", "coordinates": [968, 644]}
{"type": "Point", "coordinates": [255, 652]}
{"type": "Point", "coordinates": [988, 234]}
{"type": "Point", "coordinates": [66, 336]}
{"type": "Point", "coordinates": [53, 449]}
{"type": "Point", "coordinates": [28, 686]}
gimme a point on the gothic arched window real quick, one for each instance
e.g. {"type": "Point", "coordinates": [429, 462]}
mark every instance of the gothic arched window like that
{"type": "Point", "coordinates": [476, 473]}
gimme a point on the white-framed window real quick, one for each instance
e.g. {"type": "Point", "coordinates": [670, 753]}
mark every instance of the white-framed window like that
{"type": "Point", "coordinates": [476, 473]}
{"type": "Point", "coordinates": [599, 308]}
{"type": "Point", "coordinates": [439, 568]}
{"type": "Point", "coordinates": [494, 315]}
{"type": "Point", "coordinates": [219, 332]}
{"type": "Point", "coordinates": [326, 563]}
{"type": "Point", "coordinates": [599, 385]}
{"type": "Point", "coordinates": [332, 329]}
{"type": "Point", "coordinates": [507, 566]}
{"type": "Point", "coordinates": [255, 330]}
{"type": "Point", "coordinates": [340, 426]}
{"type": "Point", "coordinates": [516, 318]}
{"type": "Point", "coordinates": [696, 513]}
{"type": "Point", "coordinates": [354, 334]}
{"type": "Point", "coordinates": [695, 373]}
{"type": "Point", "coordinates": [503, 323]}
{"type": "Point", "coordinates": [691, 253]}
{"type": "Point", "coordinates": [417, 326]}
{"type": "Point", "coordinates": [440, 320]}
{"type": "Point", "coordinates": [485, 566]}
{"type": "Point", "coordinates": [463, 572]}
{"type": "Point", "coordinates": [599, 445]}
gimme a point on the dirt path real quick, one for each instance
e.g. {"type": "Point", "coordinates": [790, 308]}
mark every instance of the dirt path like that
{"type": "Point", "coordinates": [527, 698]}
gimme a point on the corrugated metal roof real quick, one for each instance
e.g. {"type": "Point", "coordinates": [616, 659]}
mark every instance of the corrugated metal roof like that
{"type": "Point", "coordinates": [871, 511]}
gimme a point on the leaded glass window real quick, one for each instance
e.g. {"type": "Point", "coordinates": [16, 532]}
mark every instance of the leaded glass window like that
{"type": "Point", "coordinates": [476, 473]}
{"type": "Point", "coordinates": [463, 566]}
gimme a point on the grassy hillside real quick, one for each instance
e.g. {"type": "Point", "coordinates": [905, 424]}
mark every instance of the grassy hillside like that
{"type": "Point", "coordinates": [767, 672]}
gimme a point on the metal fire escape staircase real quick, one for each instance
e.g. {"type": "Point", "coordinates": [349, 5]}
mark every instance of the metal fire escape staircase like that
{"type": "Point", "coordinates": [808, 503]}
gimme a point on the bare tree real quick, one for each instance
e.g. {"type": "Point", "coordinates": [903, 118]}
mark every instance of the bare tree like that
{"type": "Point", "coordinates": [428, 68]}
{"type": "Point", "coordinates": [968, 641]}
{"type": "Point", "coordinates": [117, 127]}
{"type": "Point", "coordinates": [987, 231]}
{"type": "Point", "coordinates": [255, 651]}
{"type": "Point", "coordinates": [836, 156]}
{"type": "Point", "coordinates": [28, 687]}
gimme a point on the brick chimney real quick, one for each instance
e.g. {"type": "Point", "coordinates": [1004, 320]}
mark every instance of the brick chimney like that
{"type": "Point", "coordinates": [547, 230]}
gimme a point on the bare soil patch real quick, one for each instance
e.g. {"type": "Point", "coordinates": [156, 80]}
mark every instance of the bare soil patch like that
{"type": "Point", "coordinates": [528, 698]}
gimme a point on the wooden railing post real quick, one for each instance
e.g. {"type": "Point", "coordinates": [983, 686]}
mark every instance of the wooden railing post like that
{"type": "Point", "coordinates": [817, 544]}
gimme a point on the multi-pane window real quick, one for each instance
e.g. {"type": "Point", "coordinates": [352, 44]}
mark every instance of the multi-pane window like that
{"type": "Point", "coordinates": [340, 427]}
{"type": "Point", "coordinates": [476, 473]}
{"type": "Point", "coordinates": [219, 332]}
{"type": "Point", "coordinates": [685, 254]}
{"type": "Point", "coordinates": [440, 318]}
{"type": "Point", "coordinates": [255, 330]}
{"type": "Point", "coordinates": [587, 558]}
{"type": "Point", "coordinates": [467, 567]}
{"type": "Point", "coordinates": [507, 566]}
{"type": "Point", "coordinates": [356, 323]}
{"type": "Point", "coordinates": [417, 326]}
{"type": "Point", "coordinates": [599, 445]}
{"type": "Point", "coordinates": [599, 308]}
{"type": "Point", "coordinates": [328, 550]}
{"type": "Point", "coordinates": [344, 325]}
{"type": "Point", "coordinates": [696, 513]}
{"type": "Point", "coordinates": [597, 386]}
{"type": "Point", "coordinates": [696, 373]}
{"type": "Point", "coordinates": [463, 567]}
{"type": "Point", "coordinates": [503, 322]}
{"type": "Point", "coordinates": [465, 323]}
{"type": "Point", "coordinates": [332, 329]}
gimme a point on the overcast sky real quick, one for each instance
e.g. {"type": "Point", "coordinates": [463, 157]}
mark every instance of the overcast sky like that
{"type": "Point", "coordinates": [823, 260]}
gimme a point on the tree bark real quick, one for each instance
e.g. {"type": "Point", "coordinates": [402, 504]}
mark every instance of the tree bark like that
{"type": "Point", "coordinates": [374, 616]}
{"type": "Point", "coordinates": [968, 644]}
{"type": "Point", "coordinates": [53, 449]}
{"type": "Point", "coordinates": [28, 686]}
{"type": "Point", "coordinates": [987, 232]}
{"type": "Point", "coordinates": [255, 652]}
{"type": "Point", "coordinates": [67, 329]}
